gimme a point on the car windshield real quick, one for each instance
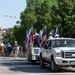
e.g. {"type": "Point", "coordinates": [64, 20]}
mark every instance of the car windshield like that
{"type": "Point", "coordinates": [63, 43]}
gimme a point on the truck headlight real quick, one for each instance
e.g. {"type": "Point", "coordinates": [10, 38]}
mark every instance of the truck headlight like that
{"type": "Point", "coordinates": [58, 54]}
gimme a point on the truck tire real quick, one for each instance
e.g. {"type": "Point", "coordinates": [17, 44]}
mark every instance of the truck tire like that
{"type": "Point", "coordinates": [54, 67]}
{"type": "Point", "coordinates": [42, 62]}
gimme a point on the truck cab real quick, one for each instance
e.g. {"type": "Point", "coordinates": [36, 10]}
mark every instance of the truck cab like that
{"type": "Point", "coordinates": [58, 52]}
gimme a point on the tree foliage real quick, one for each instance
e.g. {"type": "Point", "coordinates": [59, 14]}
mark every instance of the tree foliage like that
{"type": "Point", "coordinates": [36, 15]}
{"type": "Point", "coordinates": [63, 17]}
{"type": "Point", "coordinates": [49, 13]}
{"type": "Point", "coordinates": [9, 37]}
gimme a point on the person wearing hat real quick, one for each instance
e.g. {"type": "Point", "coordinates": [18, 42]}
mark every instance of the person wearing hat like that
{"type": "Point", "coordinates": [1, 48]}
{"type": "Point", "coordinates": [37, 40]}
{"type": "Point", "coordinates": [50, 35]}
{"type": "Point", "coordinates": [57, 36]}
{"type": "Point", "coordinates": [16, 49]}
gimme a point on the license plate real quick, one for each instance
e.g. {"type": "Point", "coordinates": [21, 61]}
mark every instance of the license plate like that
{"type": "Point", "coordinates": [72, 63]}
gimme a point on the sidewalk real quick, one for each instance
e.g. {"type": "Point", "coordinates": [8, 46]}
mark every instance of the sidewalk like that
{"type": "Point", "coordinates": [21, 54]}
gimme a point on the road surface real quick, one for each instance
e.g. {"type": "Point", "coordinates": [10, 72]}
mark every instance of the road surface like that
{"type": "Point", "coordinates": [20, 66]}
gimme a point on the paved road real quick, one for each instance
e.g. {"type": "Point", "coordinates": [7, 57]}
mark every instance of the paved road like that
{"type": "Point", "coordinates": [12, 65]}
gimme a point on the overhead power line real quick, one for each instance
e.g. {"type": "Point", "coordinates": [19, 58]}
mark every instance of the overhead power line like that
{"type": "Point", "coordinates": [9, 16]}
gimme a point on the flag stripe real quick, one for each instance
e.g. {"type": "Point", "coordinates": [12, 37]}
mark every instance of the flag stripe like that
{"type": "Point", "coordinates": [44, 36]}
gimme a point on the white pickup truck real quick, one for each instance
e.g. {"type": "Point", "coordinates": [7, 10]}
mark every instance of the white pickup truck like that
{"type": "Point", "coordinates": [58, 52]}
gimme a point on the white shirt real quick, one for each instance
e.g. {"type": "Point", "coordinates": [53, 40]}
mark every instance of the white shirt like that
{"type": "Point", "coordinates": [50, 37]}
{"type": "Point", "coordinates": [18, 48]}
{"type": "Point", "coordinates": [1, 44]}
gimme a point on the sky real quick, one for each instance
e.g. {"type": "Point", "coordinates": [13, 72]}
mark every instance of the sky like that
{"type": "Point", "coordinates": [10, 12]}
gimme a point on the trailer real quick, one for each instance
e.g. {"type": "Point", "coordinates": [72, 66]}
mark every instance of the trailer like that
{"type": "Point", "coordinates": [33, 54]}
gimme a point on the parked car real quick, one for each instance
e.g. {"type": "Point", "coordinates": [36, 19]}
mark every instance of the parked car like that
{"type": "Point", "coordinates": [58, 53]}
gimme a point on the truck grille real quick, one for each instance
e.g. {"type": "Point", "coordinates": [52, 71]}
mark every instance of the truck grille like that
{"type": "Point", "coordinates": [69, 54]}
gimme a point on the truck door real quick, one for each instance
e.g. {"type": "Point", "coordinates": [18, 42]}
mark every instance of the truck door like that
{"type": "Point", "coordinates": [48, 51]}
{"type": "Point", "coordinates": [44, 51]}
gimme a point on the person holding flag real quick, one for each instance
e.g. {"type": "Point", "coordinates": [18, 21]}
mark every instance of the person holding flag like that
{"type": "Point", "coordinates": [37, 40]}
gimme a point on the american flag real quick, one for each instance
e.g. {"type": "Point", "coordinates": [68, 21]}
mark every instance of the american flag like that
{"type": "Point", "coordinates": [31, 35]}
{"type": "Point", "coordinates": [44, 36]}
{"type": "Point", "coordinates": [27, 35]}
{"type": "Point", "coordinates": [56, 32]}
{"type": "Point", "coordinates": [40, 34]}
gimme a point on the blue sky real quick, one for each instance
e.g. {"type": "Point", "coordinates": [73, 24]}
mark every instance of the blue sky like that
{"type": "Point", "coordinates": [10, 12]}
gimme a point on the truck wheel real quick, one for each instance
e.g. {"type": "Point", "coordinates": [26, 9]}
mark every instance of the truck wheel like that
{"type": "Point", "coordinates": [42, 63]}
{"type": "Point", "coordinates": [54, 67]}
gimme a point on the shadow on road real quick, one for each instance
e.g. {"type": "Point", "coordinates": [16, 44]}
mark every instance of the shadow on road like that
{"type": "Point", "coordinates": [24, 66]}
{"type": "Point", "coordinates": [27, 67]}
{"type": "Point", "coordinates": [38, 69]}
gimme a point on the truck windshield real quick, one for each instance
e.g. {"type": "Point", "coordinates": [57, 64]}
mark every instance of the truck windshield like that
{"type": "Point", "coordinates": [63, 43]}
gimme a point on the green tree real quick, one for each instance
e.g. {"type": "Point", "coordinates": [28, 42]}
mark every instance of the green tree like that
{"type": "Point", "coordinates": [18, 33]}
{"type": "Point", "coordinates": [43, 15]}
{"type": "Point", "coordinates": [62, 17]}
{"type": "Point", "coordinates": [36, 15]}
{"type": "Point", "coordinates": [9, 37]}
{"type": "Point", "coordinates": [28, 19]}
{"type": "Point", "coordinates": [73, 19]}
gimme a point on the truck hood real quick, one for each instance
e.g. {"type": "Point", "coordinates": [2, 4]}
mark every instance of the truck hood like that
{"type": "Point", "coordinates": [65, 49]}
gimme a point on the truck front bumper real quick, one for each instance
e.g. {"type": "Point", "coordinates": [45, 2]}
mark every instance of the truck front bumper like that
{"type": "Point", "coordinates": [65, 61]}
